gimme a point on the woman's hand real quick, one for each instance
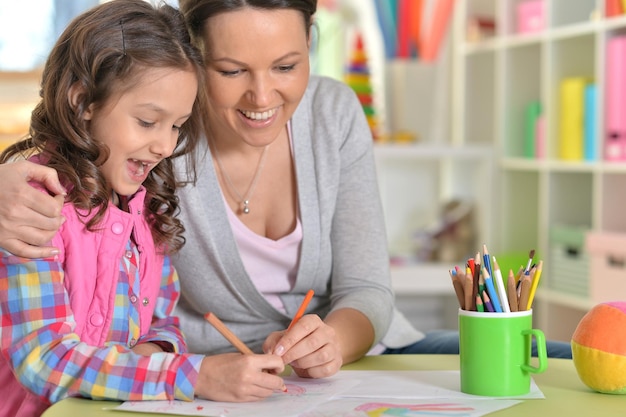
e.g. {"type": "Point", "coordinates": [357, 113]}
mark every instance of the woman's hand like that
{"type": "Point", "coordinates": [237, 378]}
{"type": "Point", "coordinates": [29, 218]}
{"type": "Point", "coordinates": [311, 347]}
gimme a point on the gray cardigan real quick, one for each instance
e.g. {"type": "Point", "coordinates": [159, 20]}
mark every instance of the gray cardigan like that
{"type": "Point", "coordinates": [343, 255]}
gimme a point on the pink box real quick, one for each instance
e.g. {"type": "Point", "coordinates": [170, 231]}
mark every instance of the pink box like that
{"type": "Point", "coordinates": [530, 16]}
{"type": "Point", "coordinates": [607, 253]}
{"type": "Point", "coordinates": [615, 141]}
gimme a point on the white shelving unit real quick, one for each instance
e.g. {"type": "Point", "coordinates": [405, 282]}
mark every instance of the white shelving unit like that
{"type": "Point", "coordinates": [493, 81]}
{"type": "Point", "coordinates": [415, 180]}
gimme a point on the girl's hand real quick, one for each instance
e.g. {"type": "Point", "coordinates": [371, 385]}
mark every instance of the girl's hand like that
{"type": "Point", "coordinates": [28, 217]}
{"type": "Point", "coordinates": [237, 378]}
{"type": "Point", "coordinates": [311, 347]}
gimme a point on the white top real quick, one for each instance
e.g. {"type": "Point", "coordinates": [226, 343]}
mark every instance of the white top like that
{"type": "Point", "coordinates": [271, 264]}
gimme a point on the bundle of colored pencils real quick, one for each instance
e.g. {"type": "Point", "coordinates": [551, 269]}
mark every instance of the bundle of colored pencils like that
{"type": "Point", "coordinates": [479, 285]}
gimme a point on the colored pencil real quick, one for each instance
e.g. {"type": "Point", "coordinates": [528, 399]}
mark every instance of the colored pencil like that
{"type": "Point", "coordinates": [488, 305]}
{"type": "Point", "coordinates": [500, 287]}
{"type": "Point", "coordinates": [476, 280]}
{"type": "Point", "coordinates": [487, 261]}
{"type": "Point", "coordinates": [531, 255]}
{"type": "Point", "coordinates": [479, 304]}
{"type": "Point", "coordinates": [458, 289]}
{"type": "Point", "coordinates": [535, 283]}
{"type": "Point", "coordinates": [227, 333]}
{"type": "Point", "coordinates": [512, 292]}
{"type": "Point", "coordinates": [491, 290]}
{"type": "Point", "coordinates": [467, 289]}
{"type": "Point", "coordinates": [231, 337]}
{"type": "Point", "coordinates": [302, 309]}
{"type": "Point", "coordinates": [524, 292]}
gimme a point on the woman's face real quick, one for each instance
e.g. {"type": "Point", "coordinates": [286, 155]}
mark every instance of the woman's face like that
{"type": "Point", "coordinates": [258, 70]}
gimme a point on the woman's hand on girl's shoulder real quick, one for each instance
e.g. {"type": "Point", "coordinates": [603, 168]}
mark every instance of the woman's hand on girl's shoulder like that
{"type": "Point", "coordinates": [29, 218]}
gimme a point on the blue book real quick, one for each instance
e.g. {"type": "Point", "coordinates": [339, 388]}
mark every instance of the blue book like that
{"type": "Point", "coordinates": [590, 123]}
{"type": "Point", "coordinates": [386, 19]}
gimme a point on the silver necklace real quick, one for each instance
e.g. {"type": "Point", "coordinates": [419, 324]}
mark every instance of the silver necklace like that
{"type": "Point", "coordinates": [244, 201]}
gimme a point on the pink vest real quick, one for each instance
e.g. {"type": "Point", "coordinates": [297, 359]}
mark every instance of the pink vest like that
{"type": "Point", "coordinates": [91, 261]}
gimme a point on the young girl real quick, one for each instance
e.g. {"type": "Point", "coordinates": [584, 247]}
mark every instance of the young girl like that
{"type": "Point", "coordinates": [118, 105]}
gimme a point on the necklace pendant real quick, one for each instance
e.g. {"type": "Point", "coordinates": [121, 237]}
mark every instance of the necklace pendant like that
{"type": "Point", "coordinates": [246, 208]}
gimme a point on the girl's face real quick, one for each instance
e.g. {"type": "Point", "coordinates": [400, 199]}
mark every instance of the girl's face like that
{"type": "Point", "coordinates": [141, 124]}
{"type": "Point", "coordinates": [258, 70]}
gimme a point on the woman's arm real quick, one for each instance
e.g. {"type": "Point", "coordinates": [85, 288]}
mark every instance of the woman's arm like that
{"type": "Point", "coordinates": [28, 217]}
{"type": "Point", "coordinates": [361, 298]}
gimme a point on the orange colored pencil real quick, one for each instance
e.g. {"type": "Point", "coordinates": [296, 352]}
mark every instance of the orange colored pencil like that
{"type": "Point", "coordinates": [302, 309]}
{"type": "Point", "coordinates": [227, 333]}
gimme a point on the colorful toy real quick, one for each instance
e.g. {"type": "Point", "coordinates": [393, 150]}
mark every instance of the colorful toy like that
{"type": "Point", "coordinates": [358, 78]}
{"type": "Point", "coordinates": [599, 348]}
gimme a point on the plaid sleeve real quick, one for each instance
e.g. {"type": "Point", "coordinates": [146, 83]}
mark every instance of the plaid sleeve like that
{"type": "Point", "coordinates": [38, 341]}
{"type": "Point", "coordinates": [165, 326]}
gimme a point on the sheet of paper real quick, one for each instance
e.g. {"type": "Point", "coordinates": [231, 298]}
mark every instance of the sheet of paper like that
{"type": "Point", "coordinates": [416, 385]}
{"type": "Point", "coordinates": [350, 394]}
{"type": "Point", "coordinates": [302, 394]}
{"type": "Point", "coordinates": [358, 407]}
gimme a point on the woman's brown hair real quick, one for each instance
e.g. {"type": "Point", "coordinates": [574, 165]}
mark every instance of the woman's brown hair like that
{"type": "Point", "coordinates": [104, 51]}
{"type": "Point", "coordinates": [197, 12]}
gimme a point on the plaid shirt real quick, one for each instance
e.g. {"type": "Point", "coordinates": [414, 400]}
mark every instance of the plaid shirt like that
{"type": "Point", "coordinates": [47, 357]}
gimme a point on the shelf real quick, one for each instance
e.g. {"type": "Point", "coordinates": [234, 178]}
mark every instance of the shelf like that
{"type": "Point", "coordinates": [428, 151]}
{"type": "Point", "coordinates": [565, 300]}
{"type": "Point", "coordinates": [495, 91]}
{"type": "Point", "coordinates": [417, 180]}
{"type": "Point", "coordinates": [423, 279]}
{"type": "Point", "coordinates": [550, 165]}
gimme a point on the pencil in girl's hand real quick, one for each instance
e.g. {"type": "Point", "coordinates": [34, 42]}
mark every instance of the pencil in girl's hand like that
{"type": "Point", "coordinates": [231, 337]}
{"type": "Point", "coordinates": [225, 331]}
{"type": "Point", "coordinates": [302, 309]}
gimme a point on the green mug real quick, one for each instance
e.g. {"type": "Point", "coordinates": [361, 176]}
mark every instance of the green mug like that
{"type": "Point", "coordinates": [495, 352]}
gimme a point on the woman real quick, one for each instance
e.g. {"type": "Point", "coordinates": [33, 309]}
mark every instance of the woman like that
{"type": "Point", "coordinates": [287, 201]}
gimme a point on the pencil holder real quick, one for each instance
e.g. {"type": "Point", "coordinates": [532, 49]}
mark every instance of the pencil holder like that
{"type": "Point", "coordinates": [495, 352]}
